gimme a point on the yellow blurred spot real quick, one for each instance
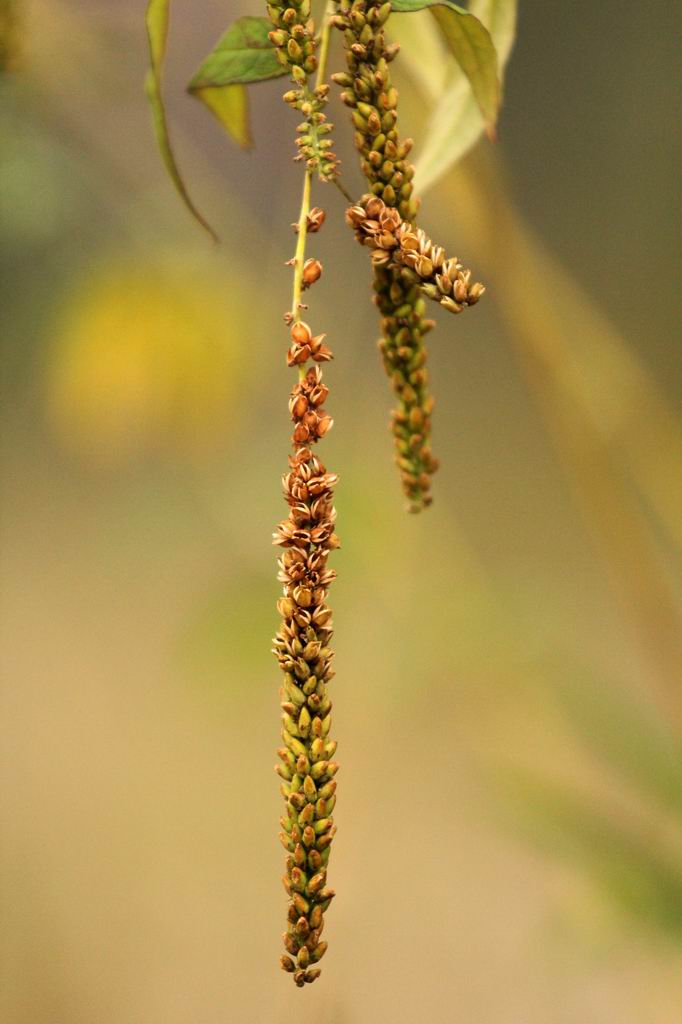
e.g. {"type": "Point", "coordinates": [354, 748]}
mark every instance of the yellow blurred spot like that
{"type": "Point", "coordinates": [144, 359]}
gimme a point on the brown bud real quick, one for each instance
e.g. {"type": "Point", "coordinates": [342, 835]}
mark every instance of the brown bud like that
{"type": "Point", "coordinates": [324, 425]}
{"type": "Point", "coordinates": [316, 343]}
{"type": "Point", "coordinates": [301, 433]}
{"type": "Point", "coordinates": [316, 917]}
{"type": "Point", "coordinates": [303, 927]}
{"type": "Point", "coordinates": [312, 271]}
{"type": "Point", "coordinates": [315, 220]}
{"type": "Point", "coordinates": [301, 333]}
{"type": "Point", "coordinates": [460, 291]}
{"type": "Point", "coordinates": [302, 906]}
{"type": "Point", "coordinates": [451, 305]}
{"type": "Point", "coordinates": [318, 953]}
{"type": "Point", "coordinates": [303, 597]}
{"type": "Point", "coordinates": [298, 407]}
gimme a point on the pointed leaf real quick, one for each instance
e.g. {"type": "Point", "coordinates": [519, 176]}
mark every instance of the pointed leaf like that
{"type": "Point", "coordinates": [157, 31]}
{"type": "Point", "coordinates": [230, 104]}
{"type": "Point", "coordinates": [242, 56]}
{"type": "Point", "coordinates": [472, 47]}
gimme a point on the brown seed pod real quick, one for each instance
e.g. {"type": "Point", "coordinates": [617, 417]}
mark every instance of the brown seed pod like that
{"type": "Point", "coordinates": [312, 272]}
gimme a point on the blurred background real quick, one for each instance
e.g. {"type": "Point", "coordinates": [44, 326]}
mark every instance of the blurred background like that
{"type": "Point", "coordinates": [508, 701]}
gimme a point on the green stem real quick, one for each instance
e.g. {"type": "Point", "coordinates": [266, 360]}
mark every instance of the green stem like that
{"type": "Point", "coordinates": [299, 256]}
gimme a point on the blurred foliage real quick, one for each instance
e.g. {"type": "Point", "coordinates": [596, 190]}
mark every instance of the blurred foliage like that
{"type": "Point", "coordinates": [10, 35]}
{"type": "Point", "coordinates": [619, 818]}
{"type": "Point", "coordinates": [143, 358]}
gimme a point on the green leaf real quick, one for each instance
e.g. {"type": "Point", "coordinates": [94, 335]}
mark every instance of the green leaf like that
{"type": "Point", "coordinates": [157, 30]}
{"type": "Point", "coordinates": [456, 122]}
{"type": "Point", "coordinates": [230, 104]}
{"type": "Point", "coordinates": [472, 47]}
{"type": "Point", "coordinates": [242, 56]}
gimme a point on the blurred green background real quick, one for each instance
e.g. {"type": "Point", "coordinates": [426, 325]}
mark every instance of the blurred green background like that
{"type": "Point", "coordinates": [508, 702]}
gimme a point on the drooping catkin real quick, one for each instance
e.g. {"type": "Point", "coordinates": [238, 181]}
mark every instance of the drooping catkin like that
{"type": "Point", "coordinates": [302, 648]}
{"type": "Point", "coordinates": [373, 99]}
{"type": "Point", "coordinates": [307, 536]}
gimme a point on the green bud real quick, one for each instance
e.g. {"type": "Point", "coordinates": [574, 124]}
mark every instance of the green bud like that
{"type": "Point", "coordinates": [384, 12]}
{"type": "Point", "coordinates": [319, 950]}
{"type": "Point", "coordinates": [310, 686]}
{"type": "Point", "coordinates": [304, 723]}
{"type": "Point", "coordinates": [297, 696]}
{"type": "Point", "coordinates": [301, 904]}
{"type": "Point", "coordinates": [317, 750]}
{"type": "Point", "coordinates": [293, 744]}
{"type": "Point", "coordinates": [328, 789]}
{"type": "Point", "coordinates": [389, 198]}
{"type": "Point", "coordinates": [319, 769]}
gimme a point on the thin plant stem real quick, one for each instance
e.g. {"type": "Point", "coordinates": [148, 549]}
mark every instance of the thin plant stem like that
{"type": "Point", "coordinates": [299, 256]}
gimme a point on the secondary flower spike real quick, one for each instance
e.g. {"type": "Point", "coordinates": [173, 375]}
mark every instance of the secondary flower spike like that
{"type": "Point", "coordinates": [398, 246]}
{"type": "Point", "coordinates": [368, 91]}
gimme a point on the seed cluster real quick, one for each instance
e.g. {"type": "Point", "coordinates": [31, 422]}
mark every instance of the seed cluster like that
{"type": "Point", "coordinates": [302, 649]}
{"type": "Point", "coordinates": [373, 99]}
{"type": "Point", "coordinates": [411, 254]}
{"type": "Point", "coordinates": [293, 37]}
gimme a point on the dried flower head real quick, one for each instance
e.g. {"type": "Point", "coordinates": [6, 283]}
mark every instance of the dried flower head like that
{"type": "Point", "coordinates": [397, 246]}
